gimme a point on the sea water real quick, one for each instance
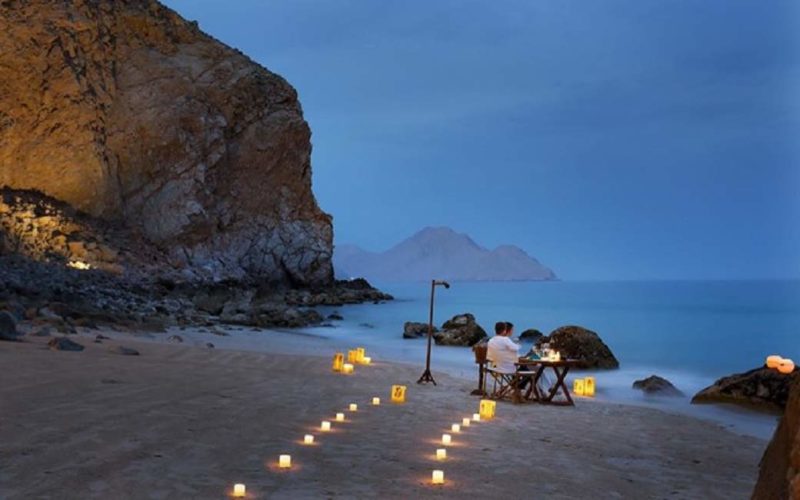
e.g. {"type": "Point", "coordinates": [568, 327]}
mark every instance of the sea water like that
{"type": "Point", "coordinates": [690, 332]}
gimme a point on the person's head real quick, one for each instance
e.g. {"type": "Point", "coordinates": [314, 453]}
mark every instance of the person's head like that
{"type": "Point", "coordinates": [509, 329]}
{"type": "Point", "coordinates": [500, 328]}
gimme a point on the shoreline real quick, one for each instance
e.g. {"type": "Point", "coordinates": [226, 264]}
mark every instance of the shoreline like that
{"type": "Point", "coordinates": [190, 421]}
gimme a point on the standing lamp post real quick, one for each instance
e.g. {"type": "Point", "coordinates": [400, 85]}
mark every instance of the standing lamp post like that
{"type": "Point", "coordinates": [426, 375]}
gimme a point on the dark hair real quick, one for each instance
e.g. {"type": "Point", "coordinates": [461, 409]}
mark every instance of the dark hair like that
{"type": "Point", "coordinates": [500, 327]}
{"type": "Point", "coordinates": [509, 325]}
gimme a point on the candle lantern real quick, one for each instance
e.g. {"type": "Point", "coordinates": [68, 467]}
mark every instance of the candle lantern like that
{"type": "Point", "coordinates": [360, 352]}
{"type": "Point", "coordinates": [786, 366]}
{"type": "Point", "coordinates": [352, 356]}
{"type": "Point", "coordinates": [773, 361]}
{"type": "Point", "coordinates": [340, 417]}
{"type": "Point", "coordinates": [455, 428]}
{"type": "Point", "coordinates": [441, 453]}
{"type": "Point", "coordinates": [398, 394]}
{"type": "Point", "coordinates": [367, 360]}
{"type": "Point", "coordinates": [353, 407]}
{"type": "Point", "coordinates": [347, 368]}
{"type": "Point", "coordinates": [465, 422]}
{"type": "Point", "coordinates": [437, 477]}
{"type": "Point", "coordinates": [308, 439]}
{"type": "Point", "coordinates": [476, 417]}
{"type": "Point", "coordinates": [325, 426]}
{"type": "Point", "coordinates": [579, 387]}
{"type": "Point", "coordinates": [239, 490]}
{"type": "Point", "coordinates": [338, 361]}
{"type": "Point", "coordinates": [588, 386]}
{"type": "Point", "coordinates": [285, 461]}
{"type": "Point", "coordinates": [376, 401]}
{"type": "Point", "coordinates": [487, 409]}
{"type": "Point", "coordinates": [447, 439]}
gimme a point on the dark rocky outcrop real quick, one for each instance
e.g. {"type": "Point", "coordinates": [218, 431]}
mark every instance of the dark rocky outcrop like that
{"type": "Point", "coordinates": [761, 387]}
{"type": "Point", "coordinates": [586, 346]}
{"type": "Point", "coordinates": [531, 334]}
{"type": "Point", "coordinates": [779, 473]}
{"type": "Point", "coordinates": [64, 344]}
{"type": "Point", "coordinates": [415, 330]}
{"type": "Point", "coordinates": [657, 386]}
{"type": "Point", "coordinates": [460, 330]}
{"type": "Point", "coordinates": [8, 327]}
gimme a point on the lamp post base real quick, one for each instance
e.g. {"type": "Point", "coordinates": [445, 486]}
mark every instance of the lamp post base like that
{"type": "Point", "coordinates": [426, 377]}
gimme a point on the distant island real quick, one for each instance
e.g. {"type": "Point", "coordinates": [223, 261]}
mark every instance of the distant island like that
{"type": "Point", "coordinates": [439, 252]}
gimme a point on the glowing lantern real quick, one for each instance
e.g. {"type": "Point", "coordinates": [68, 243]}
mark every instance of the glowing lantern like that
{"type": "Point", "coordinates": [773, 361]}
{"type": "Point", "coordinates": [455, 428]}
{"type": "Point", "coordinates": [465, 422]}
{"type": "Point", "coordinates": [579, 387]}
{"type": "Point", "coordinates": [77, 264]}
{"type": "Point", "coordinates": [437, 477]}
{"type": "Point", "coordinates": [239, 490]}
{"type": "Point", "coordinates": [786, 366]}
{"type": "Point", "coordinates": [338, 361]}
{"type": "Point", "coordinates": [340, 417]}
{"type": "Point", "coordinates": [352, 356]}
{"type": "Point", "coordinates": [347, 368]}
{"type": "Point", "coordinates": [325, 426]}
{"type": "Point", "coordinates": [367, 360]}
{"type": "Point", "coordinates": [308, 439]}
{"type": "Point", "coordinates": [285, 461]}
{"type": "Point", "coordinates": [588, 386]}
{"type": "Point", "coordinates": [398, 394]}
{"type": "Point", "coordinates": [447, 439]}
{"type": "Point", "coordinates": [353, 407]}
{"type": "Point", "coordinates": [376, 401]}
{"type": "Point", "coordinates": [360, 352]}
{"type": "Point", "coordinates": [441, 453]}
{"type": "Point", "coordinates": [476, 417]}
{"type": "Point", "coordinates": [487, 409]}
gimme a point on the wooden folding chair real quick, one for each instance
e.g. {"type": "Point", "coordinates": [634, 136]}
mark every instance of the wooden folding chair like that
{"type": "Point", "coordinates": [503, 383]}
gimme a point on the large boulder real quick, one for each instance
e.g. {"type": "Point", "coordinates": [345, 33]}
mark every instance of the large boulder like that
{"type": "Point", "coordinates": [131, 114]}
{"type": "Point", "coordinates": [531, 334]}
{"type": "Point", "coordinates": [779, 475]}
{"type": "Point", "coordinates": [415, 330]}
{"type": "Point", "coordinates": [586, 346]}
{"type": "Point", "coordinates": [761, 387]}
{"type": "Point", "coordinates": [657, 386]}
{"type": "Point", "coordinates": [8, 327]}
{"type": "Point", "coordinates": [460, 330]}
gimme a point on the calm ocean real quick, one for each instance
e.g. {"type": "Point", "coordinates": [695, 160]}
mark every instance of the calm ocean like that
{"type": "Point", "coordinates": [691, 332]}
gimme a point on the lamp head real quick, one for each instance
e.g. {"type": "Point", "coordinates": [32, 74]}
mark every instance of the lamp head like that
{"type": "Point", "coordinates": [440, 282]}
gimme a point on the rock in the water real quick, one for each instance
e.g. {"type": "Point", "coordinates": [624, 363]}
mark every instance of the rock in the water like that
{"type": "Point", "coordinates": [657, 386]}
{"type": "Point", "coordinates": [779, 474]}
{"type": "Point", "coordinates": [366, 325]}
{"type": "Point", "coordinates": [125, 351]}
{"type": "Point", "coordinates": [531, 334]}
{"type": "Point", "coordinates": [586, 346]}
{"type": "Point", "coordinates": [760, 387]}
{"type": "Point", "coordinates": [209, 345]}
{"type": "Point", "coordinates": [175, 339]}
{"type": "Point", "coordinates": [8, 327]}
{"type": "Point", "coordinates": [415, 330]}
{"type": "Point", "coordinates": [335, 316]}
{"type": "Point", "coordinates": [132, 114]}
{"type": "Point", "coordinates": [460, 330]}
{"type": "Point", "coordinates": [64, 344]}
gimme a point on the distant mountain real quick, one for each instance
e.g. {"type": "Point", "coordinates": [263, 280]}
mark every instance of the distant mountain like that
{"type": "Point", "coordinates": [441, 253]}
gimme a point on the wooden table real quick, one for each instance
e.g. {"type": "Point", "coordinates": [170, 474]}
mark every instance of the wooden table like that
{"type": "Point", "coordinates": [538, 367]}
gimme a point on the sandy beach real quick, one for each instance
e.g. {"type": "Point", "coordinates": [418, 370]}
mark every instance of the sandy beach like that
{"type": "Point", "coordinates": [181, 421]}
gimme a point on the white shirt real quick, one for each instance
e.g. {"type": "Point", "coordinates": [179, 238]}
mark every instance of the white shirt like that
{"type": "Point", "coordinates": [503, 353]}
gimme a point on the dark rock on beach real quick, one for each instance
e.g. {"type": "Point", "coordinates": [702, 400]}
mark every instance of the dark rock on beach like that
{"type": "Point", "coordinates": [124, 351]}
{"type": "Point", "coordinates": [657, 386]}
{"type": "Point", "coordinates": [335, 316]}
{"type": "Point", "coordinates": [64, 344]}
{"type": "Point", "coordinates": [415, 330]}
{"type": "Point", "coordinates": [586, 346]}
{"type": "Point", "coordinates": [761, 388]}
{"type": "Point", "coordinates": [460, 330]}
{"type": "Point", "coordinates": [779, 474]}
{"type": "Point", "coordinates": [531, 334]}
{"type": "Point", "coordinates": [8, 327]}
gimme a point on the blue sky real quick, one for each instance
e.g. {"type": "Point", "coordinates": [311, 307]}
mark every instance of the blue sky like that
{"type": "Point", "coordinates": [629, 139]}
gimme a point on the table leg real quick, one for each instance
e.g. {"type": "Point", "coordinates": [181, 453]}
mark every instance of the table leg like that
{"type": "Point", "coordinates": [560, 384]}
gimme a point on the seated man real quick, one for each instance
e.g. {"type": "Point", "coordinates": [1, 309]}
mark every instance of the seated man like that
{"type": "Point", "coordinates": [502, 352]}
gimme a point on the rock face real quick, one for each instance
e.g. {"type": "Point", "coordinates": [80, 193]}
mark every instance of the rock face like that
{"type": "Point", "coordinates": [414, 330]}
{"type": "Point", "coordinates": [760, 387]}
{"type": "Point", "coordinates": [779, 475]}
{"type": "Point", "coordinates": [131, 114]}
{"type": "Point", "coordinates": [575, 342]}
{"type": "Point", "coordinates": [657, 386]}
{"type": "Point", "coordinates": [531, 334]}
{"type": "Point", "coordinates": [460, 330]}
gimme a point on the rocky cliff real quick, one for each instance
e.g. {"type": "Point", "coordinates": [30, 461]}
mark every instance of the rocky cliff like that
{"type": "Point", "coordinates": [131, 114]}
{"type": "Point", "coordinates": [779, 477]}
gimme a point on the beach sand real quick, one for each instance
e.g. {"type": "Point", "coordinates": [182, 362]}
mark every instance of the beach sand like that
{"type": "Point", "coordinates": [182, 421]}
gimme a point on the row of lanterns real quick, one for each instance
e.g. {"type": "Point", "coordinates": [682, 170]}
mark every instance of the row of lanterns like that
{"type": "Point", "coordinates": [486, 412]}
{"type": "Point", "coordinates": [783, 365]}
{"type": "Point", "coordinates": [355, 356]}
{"type": "Point", "coordinates": [584, 386]}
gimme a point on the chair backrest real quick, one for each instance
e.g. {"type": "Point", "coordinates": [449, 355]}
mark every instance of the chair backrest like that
{"type": "Point", "coordinates": [480, 351]}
